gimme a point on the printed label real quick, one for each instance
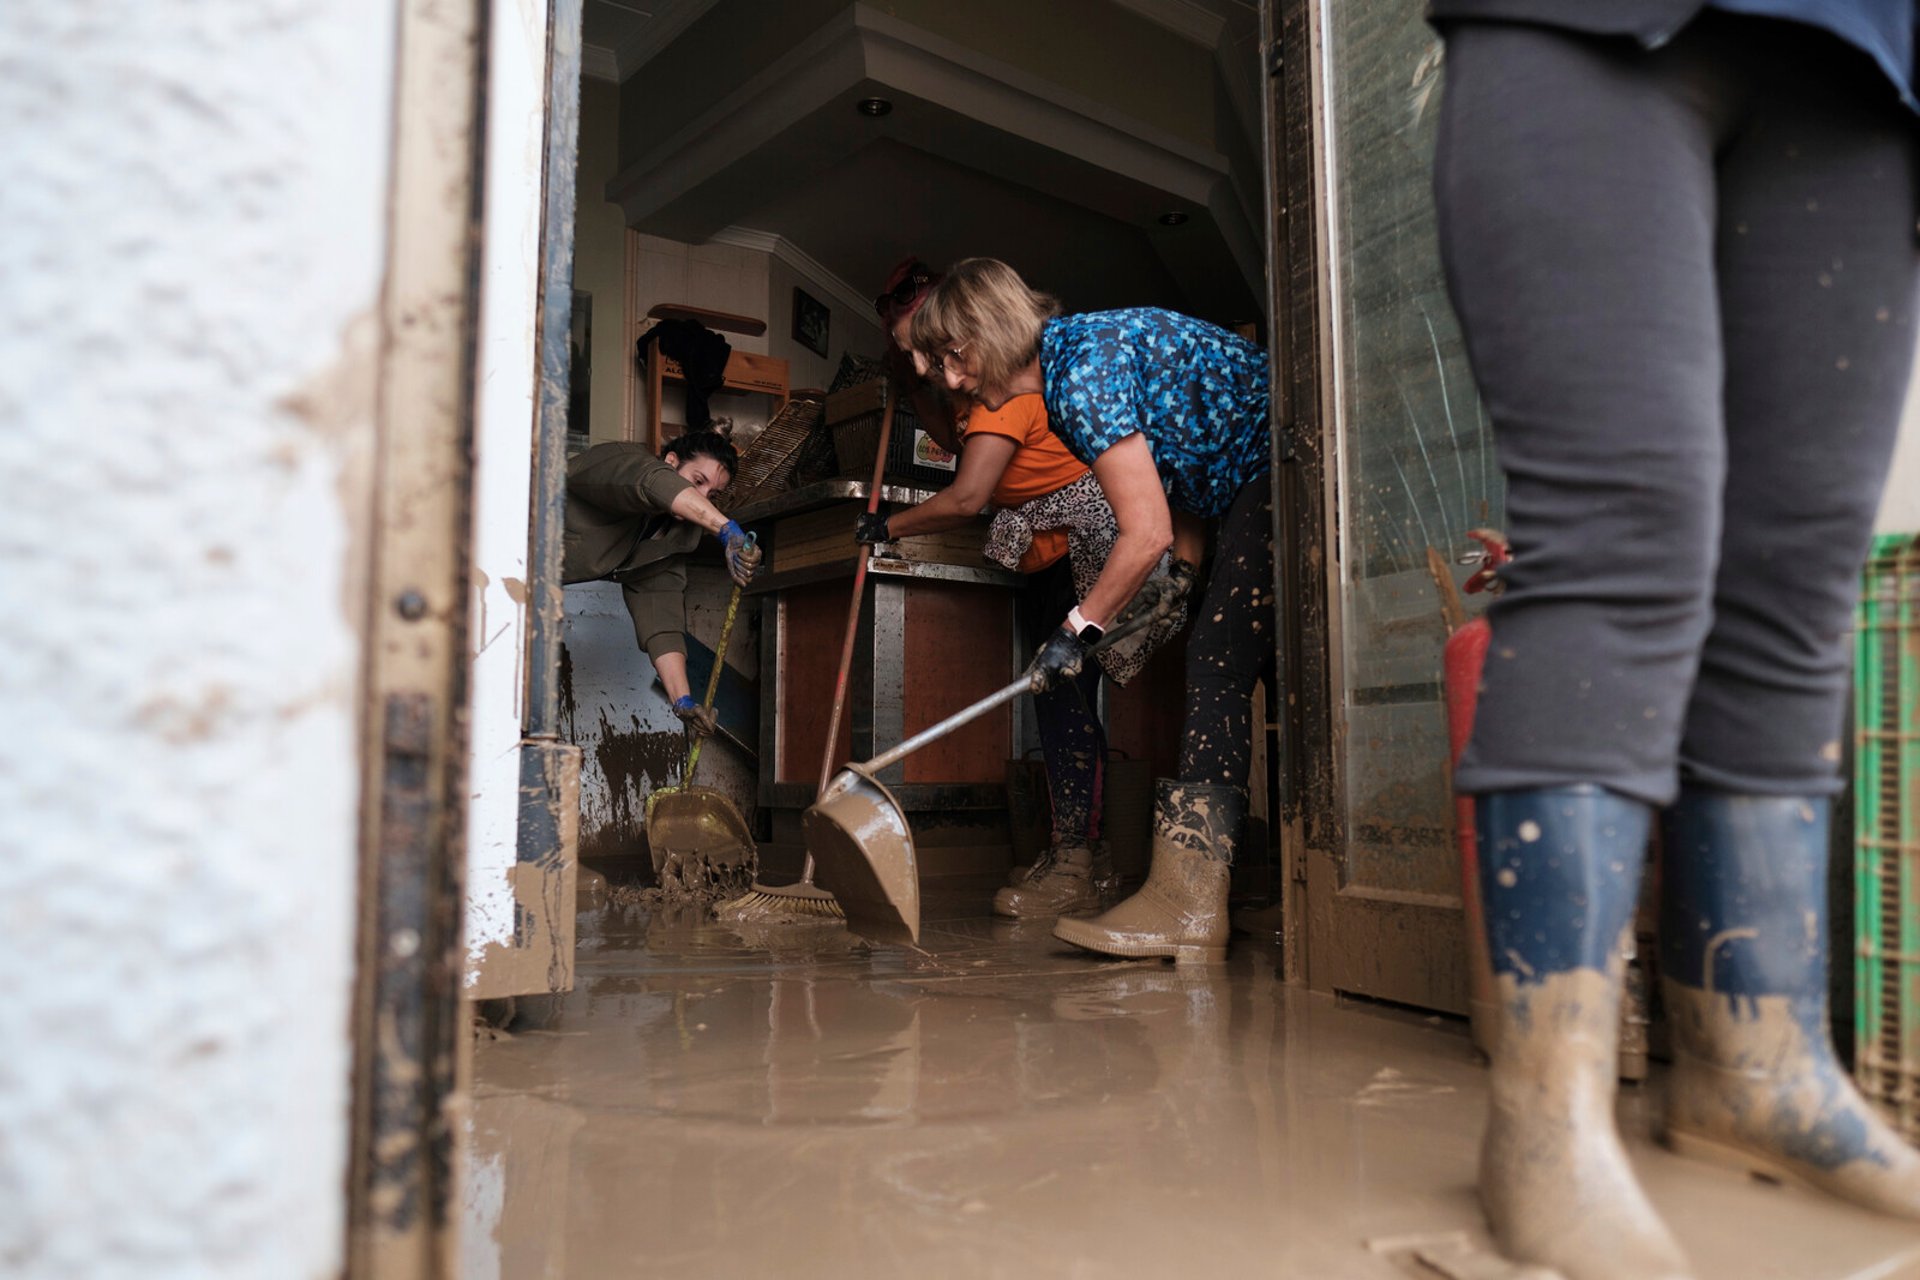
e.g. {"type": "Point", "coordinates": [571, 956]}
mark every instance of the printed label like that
{"type": "Point", "coordinates": [927, 453]}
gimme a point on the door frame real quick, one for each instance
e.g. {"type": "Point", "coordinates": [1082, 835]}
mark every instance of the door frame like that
{"type": "Point", "coordinates": [1400, 946]}
{"type": "Point", "coordinates": [410, 1036]}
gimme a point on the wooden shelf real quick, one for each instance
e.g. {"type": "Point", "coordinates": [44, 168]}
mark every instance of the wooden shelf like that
{"type": "Point", "coordinates": [724, 321]}
{"type": "Point", "coordinates": [745, 372]}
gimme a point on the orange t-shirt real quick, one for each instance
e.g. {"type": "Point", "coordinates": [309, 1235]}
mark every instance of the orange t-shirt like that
{"type": "Point", "coordinates": [1040, 465]}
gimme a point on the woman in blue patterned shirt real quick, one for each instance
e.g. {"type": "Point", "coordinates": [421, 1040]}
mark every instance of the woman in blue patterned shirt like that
{"type": "Point", "coordinates": [1172, 415]}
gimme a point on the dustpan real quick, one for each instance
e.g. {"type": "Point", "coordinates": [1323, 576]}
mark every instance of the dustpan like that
{"type": "Point", "coordinates": [700, 842]}
{"type": "Point", "coordinates": [857, 834]}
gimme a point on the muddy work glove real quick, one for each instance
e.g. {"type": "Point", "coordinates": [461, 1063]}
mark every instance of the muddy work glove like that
{"type": "Point", "coordinates": [872, 528]}
{"type": "Point", "coordinates": [1059, 661]}
{"type": "Point", "coordinates": [743, 552]}
{"type": "Point", "coordinates": [1181, 574]}
{"type": "Point", "coordinates": [700, 721]}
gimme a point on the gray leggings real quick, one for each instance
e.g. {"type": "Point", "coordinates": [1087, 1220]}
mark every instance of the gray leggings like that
{"type": "Point", "coordinates": [1687, 281]}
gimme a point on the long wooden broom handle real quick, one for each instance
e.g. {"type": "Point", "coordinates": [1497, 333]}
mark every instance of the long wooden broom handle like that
{"type": "Point", "coordinates": [859, 594]}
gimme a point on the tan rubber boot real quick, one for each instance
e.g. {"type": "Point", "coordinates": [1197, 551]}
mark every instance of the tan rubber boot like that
{"type": "Point", "coordinates": [1104, 878]}
{"type": "Point", "coordinates": [1063, 886]}
{"type": "Point", "coordinates": [1181, 911]}
{"type": "Point", "coordinates": [1020, 875]}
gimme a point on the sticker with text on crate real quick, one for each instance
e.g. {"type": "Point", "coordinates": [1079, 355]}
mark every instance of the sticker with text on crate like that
{"type": "Point", "coordinates": [928, 453]}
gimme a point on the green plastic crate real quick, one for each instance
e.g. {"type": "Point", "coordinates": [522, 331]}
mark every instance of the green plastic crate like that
{"type": "Point", "coordinates": [1886, 787]}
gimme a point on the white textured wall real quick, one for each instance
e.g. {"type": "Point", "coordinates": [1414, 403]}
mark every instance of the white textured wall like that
{"type": "Point", "coordinates": [194, 238]}
{"type": "Point", "coordinates": [1900, 507]}
{"type": "Point", "coordinates": [504, 427]}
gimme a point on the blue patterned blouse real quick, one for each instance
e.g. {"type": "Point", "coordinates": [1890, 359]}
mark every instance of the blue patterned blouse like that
{"type": "Point", "coordinates": [1196, 392]}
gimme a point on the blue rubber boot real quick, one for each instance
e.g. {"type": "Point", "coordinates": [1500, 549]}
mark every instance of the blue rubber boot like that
{"type": "Point", "coordinates": [1743, 956]}
{"type": "Point", "coordinates": [1560, 877]}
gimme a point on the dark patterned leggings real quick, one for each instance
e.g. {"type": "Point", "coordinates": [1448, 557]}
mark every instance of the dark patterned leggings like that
{"type": "Point", "coordinates": [1071, 737]}
{"type": "Point", "coordinates": [1232, 643]}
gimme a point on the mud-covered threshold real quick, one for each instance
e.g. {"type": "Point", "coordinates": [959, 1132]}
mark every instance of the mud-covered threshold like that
{"type": "Point", "coordinates": [720, 1100]}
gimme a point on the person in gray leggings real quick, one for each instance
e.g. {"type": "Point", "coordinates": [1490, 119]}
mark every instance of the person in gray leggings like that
{"type": "Point", "coordinates": [1681, 243]}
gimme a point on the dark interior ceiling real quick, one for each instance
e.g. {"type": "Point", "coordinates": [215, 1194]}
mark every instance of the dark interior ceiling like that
{"type": "Point", "coordinates": [923, 204]}
{"type": "Point", "coordinates": [972, 159]}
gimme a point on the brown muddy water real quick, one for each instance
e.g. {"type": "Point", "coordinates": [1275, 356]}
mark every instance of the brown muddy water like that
{"type": "Point", "coordinates": [718, 1102]}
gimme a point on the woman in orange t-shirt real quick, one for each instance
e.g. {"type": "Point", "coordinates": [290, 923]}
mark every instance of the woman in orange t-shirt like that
{"type": "Point", "coordinates": [1052, 523]}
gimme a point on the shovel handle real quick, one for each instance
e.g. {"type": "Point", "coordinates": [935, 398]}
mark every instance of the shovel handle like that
{"type": "Point", "coordinates": [861, 557]}
{"type": "Point", "coordinates": [1126, 627]}
{"type": "Point", "coordinates": [862, 554]}
{"type": "Point", "coordinates": [713, 679]}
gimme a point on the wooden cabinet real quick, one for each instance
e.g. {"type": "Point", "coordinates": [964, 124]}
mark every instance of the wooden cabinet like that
{"type": "Point", "coordinates": [745, 372]}
{"type": "Point", "coordinates": [938, 628]}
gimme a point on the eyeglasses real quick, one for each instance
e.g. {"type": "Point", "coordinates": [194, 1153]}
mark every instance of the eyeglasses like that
{"type": "Point", "coordinates": [952, 359]}
{"type": "Point", "coordinates": [904, 293]}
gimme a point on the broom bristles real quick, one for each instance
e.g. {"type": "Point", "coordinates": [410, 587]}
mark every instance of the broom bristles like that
{"type": "Point", "coordinates": [770, 903]}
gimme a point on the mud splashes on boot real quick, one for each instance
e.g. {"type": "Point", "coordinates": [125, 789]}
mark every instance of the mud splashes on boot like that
{"type": "Point", "coordinates": [1181, 911]}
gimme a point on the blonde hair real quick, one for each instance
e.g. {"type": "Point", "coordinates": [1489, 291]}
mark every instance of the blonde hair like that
{"type": "Point", "coordinates": [985, 305]}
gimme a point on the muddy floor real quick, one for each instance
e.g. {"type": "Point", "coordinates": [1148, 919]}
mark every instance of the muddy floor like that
{"type": "Point", "coordinates": [716, 1102]}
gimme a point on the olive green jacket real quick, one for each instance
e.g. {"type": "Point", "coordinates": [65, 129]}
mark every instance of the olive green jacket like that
{"type": "Point", "coordinates": [620, 526]}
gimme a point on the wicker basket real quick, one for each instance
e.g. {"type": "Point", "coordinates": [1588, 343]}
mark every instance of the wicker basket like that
{"type": "Point", "coordinates": [766, 465]}
{"type": "Point", "coordinates": [913, 458]}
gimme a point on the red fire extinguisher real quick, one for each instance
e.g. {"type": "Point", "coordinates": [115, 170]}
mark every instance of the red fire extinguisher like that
{"type": "Point", "coordinates": [1465, 656]}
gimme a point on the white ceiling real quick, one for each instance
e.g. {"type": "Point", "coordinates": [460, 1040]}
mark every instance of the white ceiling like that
{"type": "Point", "coordinates": [947, 175]}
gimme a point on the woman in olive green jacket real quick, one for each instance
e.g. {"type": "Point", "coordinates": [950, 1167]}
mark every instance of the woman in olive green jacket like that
{"type": "Point", "coordinates": [633, 518]}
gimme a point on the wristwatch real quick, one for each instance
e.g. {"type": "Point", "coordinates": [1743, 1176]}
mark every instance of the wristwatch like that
{"type": "Point", "coordinates": [1089, 632]}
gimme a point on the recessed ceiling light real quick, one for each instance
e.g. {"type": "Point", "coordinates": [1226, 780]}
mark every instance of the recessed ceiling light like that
{"type": "Point", "coordinates": [875, 107]}
{"type": "Point", "coordinates": [1172, 218]}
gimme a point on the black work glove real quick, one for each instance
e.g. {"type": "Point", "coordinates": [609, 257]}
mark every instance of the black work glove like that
{"type": "Point", "coordinates": [872, 528]}
{"type": "Point", "coordinates": [700, 721]}
{"type": "Point", "coordinates": [1182, 574]}
{"type": "Point", "coordinates": [1058, 661]}
{"type": "Point", "coordinates": [1163, 593]}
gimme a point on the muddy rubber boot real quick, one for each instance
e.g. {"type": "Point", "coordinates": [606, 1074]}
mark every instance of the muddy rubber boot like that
{"type": "Point", "coordinates": [1065, 885]}
{"type": "Point", "coordinates": [1105, 879]}
{"type": "Point", "coordinates": [1743, 948]}
{"type": "Point", "coordinates": [1020, 875]}
{"type": "Point", "coordinates": [1560, 873]}
{"type": "Point", "coordinates": [1181, 911]}
{"type": "Point", "coordinates": [1106, 876]}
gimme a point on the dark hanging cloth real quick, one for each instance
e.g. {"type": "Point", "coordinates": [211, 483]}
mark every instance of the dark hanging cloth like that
{"type": "Point", "coordinates": [702, 354]}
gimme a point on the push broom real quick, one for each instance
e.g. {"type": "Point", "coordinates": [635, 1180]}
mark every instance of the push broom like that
{"type": "Point", "coordinates": [803, 898]}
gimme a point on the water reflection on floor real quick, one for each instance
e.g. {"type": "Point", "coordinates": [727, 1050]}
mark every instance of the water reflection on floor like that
{"type": "Point", "coordinates": [717, 1101]}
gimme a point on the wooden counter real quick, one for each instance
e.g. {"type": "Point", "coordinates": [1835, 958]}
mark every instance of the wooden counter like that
{"type": "Point", "coordinates": [938, 629]}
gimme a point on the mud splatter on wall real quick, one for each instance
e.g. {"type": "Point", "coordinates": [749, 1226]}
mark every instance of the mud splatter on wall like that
{"type": "Point", "coordinates": [632, 741]}
{"type": "Point", "coordinates": [631, 761]}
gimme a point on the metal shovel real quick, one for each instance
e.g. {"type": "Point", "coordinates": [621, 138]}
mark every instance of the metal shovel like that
{"type": "Point", "coordinates": [700, 841]}
{"type": "Point", "coordinates": [857, 833]}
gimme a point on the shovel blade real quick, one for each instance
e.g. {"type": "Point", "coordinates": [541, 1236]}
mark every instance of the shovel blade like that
{"type": "Point", "coordinates": [863, 854]}
{"type": "Point", "coordinates": [698, 826]}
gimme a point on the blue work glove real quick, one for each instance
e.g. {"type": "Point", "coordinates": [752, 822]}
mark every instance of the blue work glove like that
{"type": "Point", "coordinates": [743, 552]}
{"type": "Point", "coordinates": [1058, 661]}
{"type": "Point", "coordinates": [872, 528]}
{"type": "Point", "coordinates": [700, 721]}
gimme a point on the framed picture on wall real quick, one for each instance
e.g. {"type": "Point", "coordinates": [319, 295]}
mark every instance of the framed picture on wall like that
{"type": "Point", "coordinates": [810, 319]}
